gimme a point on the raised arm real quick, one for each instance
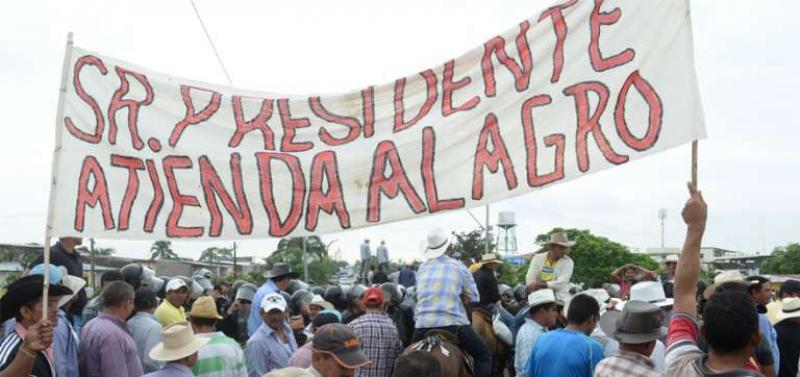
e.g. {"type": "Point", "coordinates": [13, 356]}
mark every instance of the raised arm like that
{"type": "Point", "coordinates": [688, 271]}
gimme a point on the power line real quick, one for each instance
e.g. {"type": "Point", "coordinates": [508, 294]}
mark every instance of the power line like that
{"type": "Point", "coordinates": [211, 42]}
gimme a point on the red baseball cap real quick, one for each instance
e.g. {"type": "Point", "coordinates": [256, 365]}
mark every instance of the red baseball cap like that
{"type": "Point", "coordinates": [373, 297]}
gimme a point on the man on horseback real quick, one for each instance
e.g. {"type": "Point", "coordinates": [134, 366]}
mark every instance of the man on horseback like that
{"type": "Point", "coordinates": [442, 283]}
{"type": "Point", "coordinates": [552, 269]}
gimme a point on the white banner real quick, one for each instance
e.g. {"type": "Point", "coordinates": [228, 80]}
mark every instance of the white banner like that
{"type": "Point", "coordinates": [584, 86]}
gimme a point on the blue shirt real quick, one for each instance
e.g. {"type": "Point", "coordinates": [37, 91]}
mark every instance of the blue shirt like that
{"type": "Point", "coordinates": [65, 347]}
{"type": "Point", "coordinates": [441, 282]}
{"type": "Point", "coordinates": [769, 332]}
{"type": "Point", "coordinates": [526, 339]}
{"type": "Point", "coordinates": [264, 352]}
{"type": "Point", "coordinates": [564, 353]}
{"type": "Point", "coordinates": [407, 278]}
{"type": "Point", "coordinates": [254, 320]}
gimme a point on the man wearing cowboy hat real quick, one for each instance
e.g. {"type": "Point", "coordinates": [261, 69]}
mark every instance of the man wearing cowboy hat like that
{"type": "Point", "coordinates": [336, 353]}
{"type": "Point", "coordinates": [552, 269]}
{"type": "Point", "coordinates": [442, 282]}
{"type": "Point", "coordinates": [271, 346]}
{"type": "Point", "coordinates": [788, 329]}
{"type": "Point", "coordinates": [636, 328]}
{"type": "Point", "coordinates": [278, 279]}
{"type": "Point", "coordinates": [222, 356]}
{"type": "Point", "coordinates": [171, 309]}
{"type": "Point", "coordinates": [668, 277]}
{"type": "Point", "coordinates": [26, 350]}
{"type": "Point", "coordinates": [541, 316]}
{"type": "Point", "coordinates": [486, 281]}
{"type": "Point", "coordinates": [178, 349]}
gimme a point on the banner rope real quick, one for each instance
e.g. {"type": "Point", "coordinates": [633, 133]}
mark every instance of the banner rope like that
{"type": "Point", "coordinates": [211, 42]}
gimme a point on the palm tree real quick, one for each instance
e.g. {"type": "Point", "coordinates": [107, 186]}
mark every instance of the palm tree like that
{"type": "Point", "coordinates": [162, 250]}
{"type": "Point", "coordinates": [104, 251]}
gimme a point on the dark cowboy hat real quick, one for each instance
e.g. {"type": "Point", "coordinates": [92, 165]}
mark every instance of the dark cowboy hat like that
{"type": "Point", "coordinates": [281, 269]}
{"type": "Point", "coordinates": [25, 290]}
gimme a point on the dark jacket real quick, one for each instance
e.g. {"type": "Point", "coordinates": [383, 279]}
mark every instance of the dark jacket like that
{"type": "Point", "coordinates": [72, 262]}
{"type": "Point", "coordinates": [487, 287]}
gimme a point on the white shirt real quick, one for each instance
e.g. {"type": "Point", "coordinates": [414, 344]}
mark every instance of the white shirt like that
{"type": "Point", "coordinates": [562, 271]}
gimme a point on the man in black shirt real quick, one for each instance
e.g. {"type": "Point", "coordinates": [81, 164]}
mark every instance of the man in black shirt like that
{"type": "Point", "coordinates": [486, 281]}
{"type": "Point", "coordinates": [788, 329]}
{"type": "Point", "coordinates": [63, 253]}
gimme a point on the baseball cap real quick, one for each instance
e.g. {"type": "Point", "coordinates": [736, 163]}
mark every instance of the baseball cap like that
{"type": "Point", "coordinates": [273, 301]}
{"type": "Point", "coordinates": [342, 343]}
{"type": "Point", "coordinates": [175, 284]}
{"type": "Point", "coordinates": [373, 297]}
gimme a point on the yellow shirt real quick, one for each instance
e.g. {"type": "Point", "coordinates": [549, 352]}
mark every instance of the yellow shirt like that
{"type": "Point", "coordinates": [474, 267]}
{"type": "Point", "coordinates": [168, 314]}
{"type": "Point", "coordinates": [548, 271]}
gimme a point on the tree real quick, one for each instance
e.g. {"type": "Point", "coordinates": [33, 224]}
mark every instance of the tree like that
{"type": "Point", "coordinates": [595, 257]}
{"type": "Point", "coordinates": [784, 260]}
{"type": "Point", "coordinates": [104, 251]}
{"type": "Point", "coordinates": [470, 245]}
{"type": "Point", "coordinates": [290, 250]}
{"type": "Point", "coordinates": [162, 250]}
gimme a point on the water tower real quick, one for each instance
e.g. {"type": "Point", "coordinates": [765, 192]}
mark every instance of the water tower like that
{"type": "Point", "coordinates": [507, 233]}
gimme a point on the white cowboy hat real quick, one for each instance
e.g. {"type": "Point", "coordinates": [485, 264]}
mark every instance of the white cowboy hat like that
{"type": "Point", "coordinates": [791, 308]}
{"type": "Point", "coordinates": [178, 341]}
{"type": "Point", "coordinates": [319, 301]}
{"type": "Point", "coordinates": [541, 296]}
{"type": "Point", "coordinates": [672, 258]}
{"type": "Point", "coordinates": [75, 284]}
{"type": "Point", "coordinates": [436, 244]}
{"type": "Point", "coordinates": [651, 292]}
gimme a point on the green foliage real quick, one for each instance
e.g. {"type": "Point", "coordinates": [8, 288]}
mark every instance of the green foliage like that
{"type": "Point", "coordinates": [507, 274]}
{"type": "Point", "coordinates": [290, 250]}
{"type": "Point", "coordinates": [162, 250]}
{"type": "Point", "coordinates": [595, 257]}
{"type": "Point", "coordinates": [470, 245]}
{"type": "Point", "coordinates": [784, 260]}
{"type": "Point", "coordinates": [214, 254]}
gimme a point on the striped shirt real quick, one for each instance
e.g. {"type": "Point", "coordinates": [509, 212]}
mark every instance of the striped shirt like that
{"type": "Point", "coordinates": [9, 348]}
{"type": "Point", "coordinates": [380, 341]}
{"type": "Point", "coordinates": [440, 283]}
{"type": "Point", "coordinates": [220, 357]}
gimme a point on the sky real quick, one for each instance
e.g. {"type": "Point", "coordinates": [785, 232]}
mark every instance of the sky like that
{"type": "Point", "coordinates": [745, 51]}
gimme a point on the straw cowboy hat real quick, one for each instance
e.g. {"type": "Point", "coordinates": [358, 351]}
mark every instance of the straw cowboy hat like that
{"type": "Point", "coordinates": [791, 309]}
{"type": "Point", "coordinates": [639, 322]}
{"type": "Point", "coordinates": [490, 258]}
{"type": "Point", "coordinates": [436, 244]}
{"type": "Point", "coordinates": [560, 238]}
{"type": "Point", "coordinates": [319, 301]}
{"type": "Point", "coordinates": [178, 341]}
{"type": "Point", "coordinates": [205, 307]}
{"type": "Point", "coordinates": [541, 296]}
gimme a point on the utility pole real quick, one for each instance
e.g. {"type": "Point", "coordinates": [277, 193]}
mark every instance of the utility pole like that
{"type": "Point", "coordinates": [234, 259]}
{"type": "Point", "coordinates": [91, 249]}
{"type": "Point", "coordinates": [486, 231]}
{"type": "Point", "coordinates": [305, 261]}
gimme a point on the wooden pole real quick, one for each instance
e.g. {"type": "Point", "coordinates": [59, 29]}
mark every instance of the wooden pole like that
{"type": "Point", "coordinates": [62, 90]}
{"type": "Point", "coordinates": [694, 163]}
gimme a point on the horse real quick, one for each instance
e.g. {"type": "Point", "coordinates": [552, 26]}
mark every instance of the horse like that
{"type": "Point", "coordinates": [444, 346]}
{"type": "Point", "coordinates": [483, 325]}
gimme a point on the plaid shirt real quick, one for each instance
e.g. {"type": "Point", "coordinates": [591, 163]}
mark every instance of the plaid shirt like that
{"type": "Point", "coordinates": [380, 342]}
{"type": "Point", "coordinates": [626, 364]}
{"type": "Point", "coordinates": [440, 282]}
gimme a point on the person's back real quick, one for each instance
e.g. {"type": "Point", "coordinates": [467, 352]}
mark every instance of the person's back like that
{"type": "Point", "coordinates": [222, 356]}
{"type": "Point", "coordinates": [379, 337]}
{"type": "Point", "coordinates": [569, 351]}
{"type": "Point", "coordinates": [564, 352]}
{"type": "Point", "coordinates": [438, 293]}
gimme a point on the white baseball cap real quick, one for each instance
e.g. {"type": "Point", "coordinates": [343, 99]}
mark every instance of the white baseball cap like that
{"type": "Point", "coordinates": [175, 284]}
{"type": "Point", "coordinates": [273, 301]}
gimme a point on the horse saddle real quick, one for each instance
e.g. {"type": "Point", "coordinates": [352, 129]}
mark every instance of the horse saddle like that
{"type": "Point", "coordinates": [441, 338]}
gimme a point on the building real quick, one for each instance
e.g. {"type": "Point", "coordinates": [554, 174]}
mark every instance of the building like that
{"type": "Point", "coordinates": [714, 258]}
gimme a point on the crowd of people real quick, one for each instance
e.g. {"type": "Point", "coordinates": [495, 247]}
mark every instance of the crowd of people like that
{"type": "Point", "coordinates": [409, 323]}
